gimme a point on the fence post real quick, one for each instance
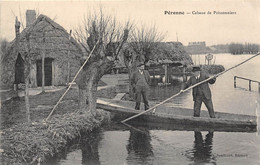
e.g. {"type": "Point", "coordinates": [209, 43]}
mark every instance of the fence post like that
{"type": "Point", "coordinates": [250, 85]}
{"type": "Point", "coordinates": [235, 84]}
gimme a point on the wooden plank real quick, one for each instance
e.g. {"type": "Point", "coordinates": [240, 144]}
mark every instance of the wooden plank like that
{"type": "Point", "coordinates": [119, 96]}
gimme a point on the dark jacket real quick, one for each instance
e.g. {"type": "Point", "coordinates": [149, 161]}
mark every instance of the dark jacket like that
{"type": "Point", "coordinates": [136, 76]}
{"type": "Point", "coordinates": [204, 87]}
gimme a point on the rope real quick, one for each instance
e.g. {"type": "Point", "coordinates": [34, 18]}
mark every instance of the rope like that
{"type": "Point", "coordinates": [70, 84]}
{"type": "Point", "coordinates": [150, 109]}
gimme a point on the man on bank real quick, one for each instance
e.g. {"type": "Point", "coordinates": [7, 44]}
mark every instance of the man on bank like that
{"type": "Point", "coordinates": [140, 81]}
{"type": "Point", "coordinates": [202, 92]}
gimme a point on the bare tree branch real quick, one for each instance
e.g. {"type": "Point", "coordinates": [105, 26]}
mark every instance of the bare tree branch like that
{"type": "Point", "coordinates": [144, 40]}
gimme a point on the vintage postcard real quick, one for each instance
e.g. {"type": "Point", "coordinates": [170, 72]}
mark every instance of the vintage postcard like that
{"type": "Point", "coordinates": [130, 82]}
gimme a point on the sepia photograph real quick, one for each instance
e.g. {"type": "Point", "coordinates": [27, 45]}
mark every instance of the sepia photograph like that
{"type": "Point", "coordinates": [117, 82]}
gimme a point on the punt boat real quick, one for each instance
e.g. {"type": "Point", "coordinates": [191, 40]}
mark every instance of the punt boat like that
{"type": "Point", "coordinates": [169, 117]}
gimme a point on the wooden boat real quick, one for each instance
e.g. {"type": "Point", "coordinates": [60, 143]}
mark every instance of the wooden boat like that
{"type": "Point", "coordinates": [170, 117]}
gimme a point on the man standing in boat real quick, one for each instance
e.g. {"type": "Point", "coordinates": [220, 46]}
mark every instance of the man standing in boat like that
{"type": "Point", "coordinates": [140, 81]}
{"type": "Point", "coordinates": [202, 92]}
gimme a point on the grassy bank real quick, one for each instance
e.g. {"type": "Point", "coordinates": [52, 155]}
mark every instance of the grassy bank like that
{"type": "Point", "coordinates": [26, 144]}
{"type": "Point", "coordinates": [30, 144]}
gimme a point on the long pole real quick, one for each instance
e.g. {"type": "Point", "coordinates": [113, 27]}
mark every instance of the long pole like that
{"type": "Point", "coordinates": [70, 84]}
{"type": "Point", "coordinates": [152, 108]}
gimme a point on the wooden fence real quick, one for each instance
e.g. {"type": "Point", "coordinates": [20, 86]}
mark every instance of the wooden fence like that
{"type": "Point", "coordinates": [249, 82]}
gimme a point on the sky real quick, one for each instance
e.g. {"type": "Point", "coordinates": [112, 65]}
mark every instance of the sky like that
{"type": "Point", "coordinates": [241, 27]}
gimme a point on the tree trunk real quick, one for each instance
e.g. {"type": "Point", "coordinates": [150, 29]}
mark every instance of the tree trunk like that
{"type": "Point", "coordinates": [91, 92]}
{"type": "Point", "coordinates": [27, 103]}
{"type": "Point", "coordinates": [82, 99]}
{"type": "Point", "coordinates": [27, 77]}
{"type": "Point", "coordinates": [88, 83]}
{"type": "Point", "coordinates": [27, 81]}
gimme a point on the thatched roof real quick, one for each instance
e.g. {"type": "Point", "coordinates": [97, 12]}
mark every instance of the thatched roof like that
{"type": "Point", "coordinates": [170, 52]}
{"type": "Point", "coordinates": [38, 25]}
{"type": "Point", "coordinates": [47, 35]}
{"type": "Point", "coordinates": [55, 25]}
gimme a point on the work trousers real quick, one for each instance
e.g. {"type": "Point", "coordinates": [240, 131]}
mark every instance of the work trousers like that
{"type": "Point", "coordinates": [197, 106]}
{"type": "Point", "coordinates": [141, 91]}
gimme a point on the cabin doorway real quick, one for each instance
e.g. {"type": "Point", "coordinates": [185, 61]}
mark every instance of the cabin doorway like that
{"type": "Point", "coordinates": [19, 70]}
{"type": "Point", "coordinates": [47, 71]}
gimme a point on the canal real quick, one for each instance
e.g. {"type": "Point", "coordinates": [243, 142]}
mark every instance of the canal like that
{"type": "Point", "coordinates": [118, 144]}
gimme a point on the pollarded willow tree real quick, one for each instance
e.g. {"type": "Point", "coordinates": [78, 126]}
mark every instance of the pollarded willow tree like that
{"type": "Point", "coordinates": [141, 43]}
{"type": "Point", "coordinates": [105, 36]}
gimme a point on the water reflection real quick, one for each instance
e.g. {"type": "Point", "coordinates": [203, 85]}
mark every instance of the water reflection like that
{"type": "Point", "coordinates": [159, 93]}
{"type": "Point", "coordinates": [202, 149]}
{"type": "Point", "coordinates": [168, 146]}
{"type": "Point", "coordinates": [89, 148]}
{"type": "Point", "coordinates": [139, 147]}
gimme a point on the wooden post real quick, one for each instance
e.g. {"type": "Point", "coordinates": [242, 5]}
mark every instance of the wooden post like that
{"type": "Point", "coordinates": [259, 87]}
{"type": "Point", "coordinates": [153, 80]}
{"type": "Point", "coordinates": [250, 85]}
{"type": "Point", "coordinates": [235, 83]}
{"type": "Point", "coordinates": [184, 75]}
{"type": "Point", "coordinates": [43, 63]}
{"type": "Point", "coordinates": [154, 73]}
{"type": "Point", "coordinates": [166, 73]}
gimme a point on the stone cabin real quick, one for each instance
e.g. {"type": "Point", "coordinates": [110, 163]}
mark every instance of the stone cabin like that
{"type": "Point", "coordinates": [62, 54]}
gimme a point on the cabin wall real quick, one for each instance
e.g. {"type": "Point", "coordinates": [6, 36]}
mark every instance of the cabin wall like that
{"type": "Point", "coordinates": [7, 70]}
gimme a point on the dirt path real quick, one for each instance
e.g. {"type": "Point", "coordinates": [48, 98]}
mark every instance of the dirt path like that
{"type": "Point", "coordinates": [13, 109]}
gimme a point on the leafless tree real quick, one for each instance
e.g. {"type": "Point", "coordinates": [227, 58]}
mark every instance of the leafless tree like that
{"type": "Point", "coordinates": [142, 42]}
{"type": "Point", "coordinates": [28, 64]}
{"type": "Point", "coordinates": [22, 18]}
{"type": "Point", "coordinates": [107, 35]}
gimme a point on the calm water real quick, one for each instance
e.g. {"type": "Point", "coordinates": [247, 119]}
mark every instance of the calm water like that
{"type": "Point", "coordinates": [116, 144]}
{"type": "Point", "coordinates": [225, 97]}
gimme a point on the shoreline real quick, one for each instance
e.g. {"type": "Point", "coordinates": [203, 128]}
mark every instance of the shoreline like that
{"type": "Point", "coordinates": [42, 140]}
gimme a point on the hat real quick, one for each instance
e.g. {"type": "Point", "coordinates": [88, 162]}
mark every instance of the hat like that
{"type": "Point", "coordinates": [139, 64]}
{"type": "Point", "coordinates": [196, 68]}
